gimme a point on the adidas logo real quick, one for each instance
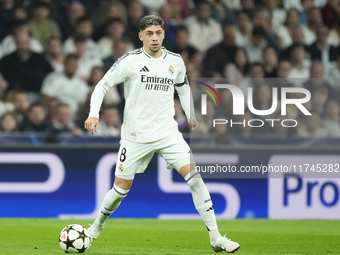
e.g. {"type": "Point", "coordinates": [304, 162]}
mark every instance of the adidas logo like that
{"type": "Point", "coordinates": [210, 209]}
{"type": "Point", "coordinates": [144, 69]}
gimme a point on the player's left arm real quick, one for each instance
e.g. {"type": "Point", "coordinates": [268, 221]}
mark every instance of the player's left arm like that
{"type": "Point", "coordinates": [185, 96]}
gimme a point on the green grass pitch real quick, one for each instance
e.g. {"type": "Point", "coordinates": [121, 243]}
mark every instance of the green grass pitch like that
{"type": "Point", "coordinates": [182, 237]}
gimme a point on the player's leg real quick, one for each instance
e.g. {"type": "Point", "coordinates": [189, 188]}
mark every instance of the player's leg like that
{"type": "Point", "coordinates": [201, 198]}
{"type": "Point", "coordinates": [110, 204]}
{"type": "Point", "coordinates": [204, 206]}
{"type": "Point", "coordinates": [178, 155]}
{"type": "Point", "coordinates": [132, 158]}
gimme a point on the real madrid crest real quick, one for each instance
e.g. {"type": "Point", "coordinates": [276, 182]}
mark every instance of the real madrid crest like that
{"type": "Point", "coordinates": [171, 70]}
{"type": "Point", "coordinates": [121, 168]}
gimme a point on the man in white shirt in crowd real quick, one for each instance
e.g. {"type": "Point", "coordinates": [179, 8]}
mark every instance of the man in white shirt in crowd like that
{"type": "Point", "coordinates": [66, 86]}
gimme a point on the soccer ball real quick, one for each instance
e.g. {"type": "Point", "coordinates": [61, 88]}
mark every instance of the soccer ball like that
{"type": "Point", "coordinates": [74, 239]}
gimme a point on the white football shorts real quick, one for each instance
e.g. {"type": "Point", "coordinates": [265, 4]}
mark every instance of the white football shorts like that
{"type": "Point", "coordinates": [134, 157]}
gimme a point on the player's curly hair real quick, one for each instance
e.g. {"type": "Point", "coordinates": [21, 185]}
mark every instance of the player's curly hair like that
{"type": "Point", "coordinates": [150, 20]}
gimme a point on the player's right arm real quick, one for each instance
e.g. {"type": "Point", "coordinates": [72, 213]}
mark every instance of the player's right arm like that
{"type": "Point", "coordinates": [115, 75]}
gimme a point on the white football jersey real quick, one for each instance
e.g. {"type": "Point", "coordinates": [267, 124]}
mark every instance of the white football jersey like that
{"type": "Point", "coordinates": [149, 85]}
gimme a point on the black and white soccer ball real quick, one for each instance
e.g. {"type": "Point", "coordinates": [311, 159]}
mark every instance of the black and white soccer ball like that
{"type": "Point", "coordinates": [74, 239]}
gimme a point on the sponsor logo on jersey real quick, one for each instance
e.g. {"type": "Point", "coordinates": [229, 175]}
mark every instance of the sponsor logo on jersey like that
{"type": "Point", "coordinates": [121, 168]}
{"type": "Point", "coordinates": [156, 79]}
{"type": "Point", "coordinates": [171, 69]}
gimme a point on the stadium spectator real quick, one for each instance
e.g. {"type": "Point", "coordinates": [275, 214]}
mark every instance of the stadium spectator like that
{"type": "Point", "coordinates": [321, 50]}
{"type": "Point", "coordinates": [320, 96]}
{"type": "Point", "coordinates": [153, 6]}
{"type": "Point", "coordinates": [300, 67]}
{"type": "Point", "coordinates": [334, 34]}
{"type": "Point", "coordinates": [67, 87]}
{"type": "Point", "coordinates": [19, 27]}
{"type": "Point", "coordinates": [285, 32]}
{"type": "Point", "coordinates": [62, 121]}
{"type": "Point", "coordinates": [193, 70]}
{"type": "Point", "coordinates": [3, 85]}
{"type": "Point", "coordinates": [256, 44]}
{"type": "Point", "coordinates": [312, 127]}
{"type": "Point", "coordinates": [207, 120]}
{"type": "Point", "coordinates": [238, 68]}
{"type": "Point", "coordinates": [112, 97]}
{"type": "Point", "coordinates": [284, 68]}
{"type": "Point", "coordinates": [52, 105]}
{"type": "Point", "coordinates": [270, 62]}
{"type": "Point", "coordinates": [85, 63]}
{"type": "Point", "coordinates": [21, 104]}
{"type": "Point", "coordinates": [41, 26]}
{"type": "Point", "coordinates": [332, 118]}
{"type": "Point", "coordinates": [8, 123]}
{"type": "Point", "coordinates": [75, 10]}
{"type": "Point", "coordinates": [313, 22]}
{"type": "Point", "coordinates": [222, 14]}
{"type": "Point", "coordinates": [261, 20]}
{"type": "Point", "coordinates": [276, 16]}
{"type": "Point", "coordinates": [293, 112]}
{"type": "Point", "coordinates": [333, 72]}
{"type": "Point", "coordinates": [170, 24]}
{"type": "Point", "coordinates": [7, 9]}
{"type": "Point", "coordinates": [244, 129]}
{"type": "Point", "coordinates": [263, 99]}
{"type": "Point", "coordinates": [110, 122]}
{"type": "Point", "coordinates": [110, 11]}
{"type": "Point", "coordinates": [317, 79]}
{"type": "Point", "coordinates": [242, 29]}
{"type": "Point", "coordinates": [219, 55]}
{"type": "Point", "coordinates": [118, 50]}
{"type": "Point", "coordinates": [5, 107]}
{"type": "Point", "coordinates": [247, 5]}
{"type": "Point", "coordinates": [330, 12]}
{"type": "Point", "coordinates": [306, 6]}
{"type": "Point", "coordinates": [24, 69]}
{"type": "Point", "coordinates": [135, 13]}
{"type": "Point", "coordinates": [180, 44]}
{"type": "Point", "coordinates": [84, 28]}
{"type": "Point", "coordinates": [180, 9]}
{"type": "Point", "coordinates": [281, 131]}
{"type": "Point", "coordinates": [297, 38]}
{"type": "Point", "coordinates": [204, 31]}
{"type": "Point", "coordinates": [114, 33]}
{"type": "Point", "coordinates": [35, 120]}
{"type": "Point", "coordinates": [221, 132]}
{"type": "Point", "coordinates": [54, 54]}
{"type": "Point", "coordinates": [20, 13]}
{"type": "Point", "coordinates": [290, 4]}
{"type": "Point", "coordinates": [256, 73]}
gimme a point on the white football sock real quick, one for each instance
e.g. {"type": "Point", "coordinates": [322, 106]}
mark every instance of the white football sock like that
{"type": "Point", "coordinates": [110, 203]}
{"type": "Point", "coordinates": [203, 204]}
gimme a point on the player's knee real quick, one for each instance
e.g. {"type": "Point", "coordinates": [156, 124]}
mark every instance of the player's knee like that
{"type": "Point", "coordinates": [186, 169]}
{"type": "Point", "coordinates": [122, 183]}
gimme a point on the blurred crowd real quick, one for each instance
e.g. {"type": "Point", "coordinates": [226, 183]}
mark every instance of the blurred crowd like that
{"type": "Point", "coordinates": [53, 53]}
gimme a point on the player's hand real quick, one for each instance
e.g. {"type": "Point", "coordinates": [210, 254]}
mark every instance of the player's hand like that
{"type": "Point", "coordinates": [194, 125]}
{"type": "Point", "coordinates": [92, 124]}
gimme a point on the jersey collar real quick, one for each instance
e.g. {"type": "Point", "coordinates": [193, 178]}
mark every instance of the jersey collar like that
{"type": "Point", "coordinates": [164, 53]}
